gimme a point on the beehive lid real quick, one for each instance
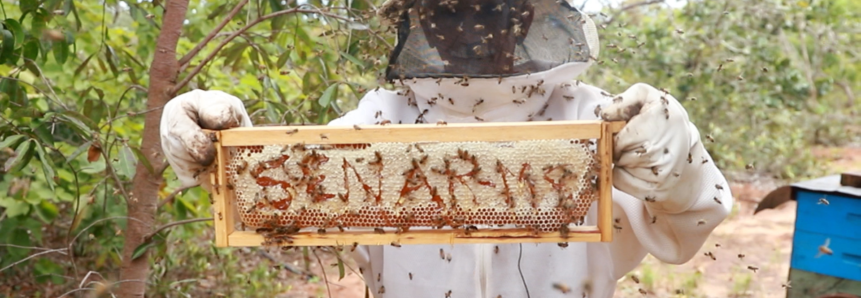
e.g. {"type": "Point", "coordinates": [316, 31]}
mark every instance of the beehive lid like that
{"type": "Point", "coordinates": [830, 184]}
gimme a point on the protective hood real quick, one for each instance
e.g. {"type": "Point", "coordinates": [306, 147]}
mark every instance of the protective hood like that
{"type": "Point", "coordinates": [486, 38]}
{"type": "Point", "coordinates": [487, 60]}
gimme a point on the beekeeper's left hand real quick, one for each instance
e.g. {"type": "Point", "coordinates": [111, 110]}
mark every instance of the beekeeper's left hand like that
{"type": "Point", "coordinates": [658, 154]}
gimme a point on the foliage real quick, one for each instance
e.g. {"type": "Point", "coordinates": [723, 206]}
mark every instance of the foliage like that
{"type": "Point", "coordinates": [759, 78]}
{"type": "Point", "coordinates": [770, 79]}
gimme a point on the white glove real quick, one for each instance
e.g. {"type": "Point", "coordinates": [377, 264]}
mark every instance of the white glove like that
{"type": "Point", "coordinates": [658, 154]}
{"type": "Point", "coordinates": [188, 150]}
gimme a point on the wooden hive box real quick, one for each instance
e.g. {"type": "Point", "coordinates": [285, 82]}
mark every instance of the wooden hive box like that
{"type": "Point", "coordinates": [826, 245]}
{"type": "Point", "coordinates": [414, 184]}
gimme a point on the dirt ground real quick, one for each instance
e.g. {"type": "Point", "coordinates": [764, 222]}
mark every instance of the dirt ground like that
{"type": "Point", "coordinates": [764, 240]}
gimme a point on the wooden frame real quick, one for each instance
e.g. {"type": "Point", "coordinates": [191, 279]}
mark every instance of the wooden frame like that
{"type": "Point", "coordinates": [226, 235]}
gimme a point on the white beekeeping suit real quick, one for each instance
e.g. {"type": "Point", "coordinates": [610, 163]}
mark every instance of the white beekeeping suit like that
{"type": "Point", "coordinates": [505, 61]}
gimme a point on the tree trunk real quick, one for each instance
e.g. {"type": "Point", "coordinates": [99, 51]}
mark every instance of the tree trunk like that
{"type": "Point", "coordinates": [143, 201]}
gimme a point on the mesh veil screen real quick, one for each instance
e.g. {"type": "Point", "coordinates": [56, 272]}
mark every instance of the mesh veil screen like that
{"type": "Point", "coordinates": [484, 38]}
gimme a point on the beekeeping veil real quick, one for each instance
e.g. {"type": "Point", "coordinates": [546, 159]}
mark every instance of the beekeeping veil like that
{"type": "Point", "coordinates": [487, 49]}
{"type": "Point", "coordinates": [486, 38]}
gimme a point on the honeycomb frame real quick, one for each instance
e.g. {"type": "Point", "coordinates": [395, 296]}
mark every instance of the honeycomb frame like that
{"type": "Point", "coordinates": [247, 196]}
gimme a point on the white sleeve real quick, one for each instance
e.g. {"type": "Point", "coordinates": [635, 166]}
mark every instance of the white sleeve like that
{"type": "Point", "coordinates": [675, 229]}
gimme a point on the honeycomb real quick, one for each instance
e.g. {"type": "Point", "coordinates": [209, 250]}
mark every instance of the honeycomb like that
{"type": "Point", "coordinates": [536, 184]}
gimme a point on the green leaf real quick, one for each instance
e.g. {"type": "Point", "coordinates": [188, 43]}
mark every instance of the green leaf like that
{"type": "Point", "coordinates": [61, 51]}
{"type": "Point", "coordinates": [84, 124]}
{"type": "Point", "coordinates": [341, 271]}
{"type": "Point", "coordinates": [83, 65]}
{"type": "Point", "coordinates": [142, 248]}
{"type": "Point", "coordinates": [47, 169]}
{"type": "Point", "coordinates": [47, 270]}
{"type": "Point", "coordinates": [22, 157]}
{"type": "Point", "coordinates": [7, 47]}
{"type": "Point", "coordinates": [10, 141]}
{"type": "Point", "coordinates": [126, 164]}
{"type": "Point", "coordinates": [78, 151]}
{"type": "Point", "coordinates": [19, 237]}
{"type": "Point", "coordinates": [329, 94]}
{"type": "Point", "coordinates": [140, 156]}
{"type": "Point", "coordinates": [47, 210]}
{"type": "Point", "coordinates": [16, 29]}
{"type": "Point", "coordinates": [14, 207]}
{"type": "Point", "coordinates": [28, 5]}
{"type": "Point", "coordinates": [355, 60]}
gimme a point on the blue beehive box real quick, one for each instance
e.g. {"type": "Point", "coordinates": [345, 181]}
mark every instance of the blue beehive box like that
{"type": "Point", "coordinates": [828, 215]}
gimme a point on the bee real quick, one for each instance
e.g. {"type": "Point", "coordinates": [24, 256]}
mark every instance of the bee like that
{"type": "Point", "coordinates": [635, 278]}
{"type": "Point", "coordinates": [719, 187]}
{"type": "Point", "coordinates": [384, 122]}
{"type": "Point", "coordinates": [617, 99]}
{"type": "Point", "coordinates": [718, 200]}
{"type": "Point", "coordinates": [750, 167]}
{"type": "Point", "coordinates": [411, 275]}
{"type": "Point", "coordinates": [787, 285]}
{"type": "Point", "coordinates": [823, 201]}
{"type": "Point", "coordinates": [741, 256]}
{"type": "Point", "coordinates": [701, 222]}
{"type": "Point", "coordinates": [382, 290]}
{"type": "Point", "coordinates": [740, 78]}
{"type": "Point", "coordinates": [496, 249]}
{"type": "Point", "coordinates": [650, 199]}
{"type": "Point", "coordinates": [710, 255]}
{"type": "Point", "coordinates": [692, 98]}
{"type": "Point", "coordinates": [565, 289]}
{"type": "Point", "coordinates": [451, 101]}
{"type": "Point", "coordinates": [680, 31]}
{"type": "Point", "coordinates": [448, 257]}
{"type": "Point", "coordinates": [764, 69]}
{"type": "Point", "coordinates": [355, 244]}
{"type": "Point", "coordinates": [643, 291]}
{"type": "Point", "coordinates": [655, 170]}
{"type": "Point", "coordinates": [379, 231]}
{"type": "Point", "coordinates": [396, 244]}
{"type": "Point", "coordinates": [479, 118]}
{"type": "Point", "coordinates": [654, 219]}
{"type": "Point", "coordinates": [448, 294]}
{"type": "Point", "coordinates": [598, 111]}
{"type": "Point", "coordinates": [664, 100]}
{"type": "Point", "coordinates": [356, 127]}
{"type": "Point", "coordinates": [753, 268]}
{"type": "Point", "coordinates": [618, 228]}
{"type": "Point", "coordinates": [241, 167]}
{"type": "Point", "coordinates": [441, 254]}
{"type": "Point", "coordinates": [324, 136]}
{"type": "Point", "coordinates": [720, 67]}
{"type": "Point", "coordinates": [824, 249]}
{"type": "Point", "coordinates": [379, 276]}
{"type": "Point", "coordinates": [292, 131]}
{"type": "Point", "coordinates": [378, 114]}
{"type": "Point", "coordinates": [441, 122]}
{"type": "Point", "coordinates": [518, 101]}
{"type": "Point", "coordinates": [562, 244]}
{"type": "Point", "coordinates": [360, 159]}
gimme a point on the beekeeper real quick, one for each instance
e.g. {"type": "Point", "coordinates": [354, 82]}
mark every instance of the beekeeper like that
{"type": "Point", "coordinates": [503, 61]}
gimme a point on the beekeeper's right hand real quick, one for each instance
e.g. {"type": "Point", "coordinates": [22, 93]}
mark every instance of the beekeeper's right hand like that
{"type": "Point", "coordinates": [189, 151]}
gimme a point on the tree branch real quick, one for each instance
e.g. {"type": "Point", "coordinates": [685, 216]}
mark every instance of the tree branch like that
{"type": "Point", "coordinates": [212, 55]}
{"type": "Point", "coordinates": [629, 7]}
{"type": "Point", "coordinates": [172, 196]}
{"type": "Point", "coordinates": [183, 62]}
{"type": "Point", "coordinates": [176, 223]}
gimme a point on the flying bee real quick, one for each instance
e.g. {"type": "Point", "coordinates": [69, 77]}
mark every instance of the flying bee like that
{"type": "Point", "coordinates": [384, 122]}
{"type": "Point", "coordinates": [565, 289]}
{"type": "Point", "coordinates": [635, 278]}
{"type": "Point", "coordinates": [441, 122]}
{"type": "Point", "coordinates": [741, 256]}
{"type": "Point", "coordinates": [378, 114]}
{"type": "Point", "coordinates": [753, 268]}
{"type": "Point", "coordinates": [690, 158]}
{"type": "Point", "coordinates": [710, 255]}
{"type": "Point", "coordinates": [396, 244]}
{"type": "Point", "coordinates": [650, 199]}
{"type": "Point", "coordinates": [718, 200]}
{"type": "Point", "coordinates": [719, 187]}
{"type": "Point", "coordinates": [479, 118]}
{"type": "Point", "coordinates": [643, 291]}
{"type": "Point", "coordinates": [787, 285]}
{"type": "Point", "coordinates": [823, 201]}
{"type": "Point", "coordinates": [356, 127]}
{"type": "Point", "coordinates": [701, 222]}
{"type": "Point", "coordinates": [655, 170]}
{"type": "Point", "coordinates": [411, 275]}
{"type": "Point", "coordinates": [292, 131]}
{"type": "Point", "coordinates": [496, 249]}
{"type": "Point", "coordinates": [382, 290]}
{"type": "Point", "coordinates": [562, 244]}
{"type": "Point", "coordinates": [441, 254]}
